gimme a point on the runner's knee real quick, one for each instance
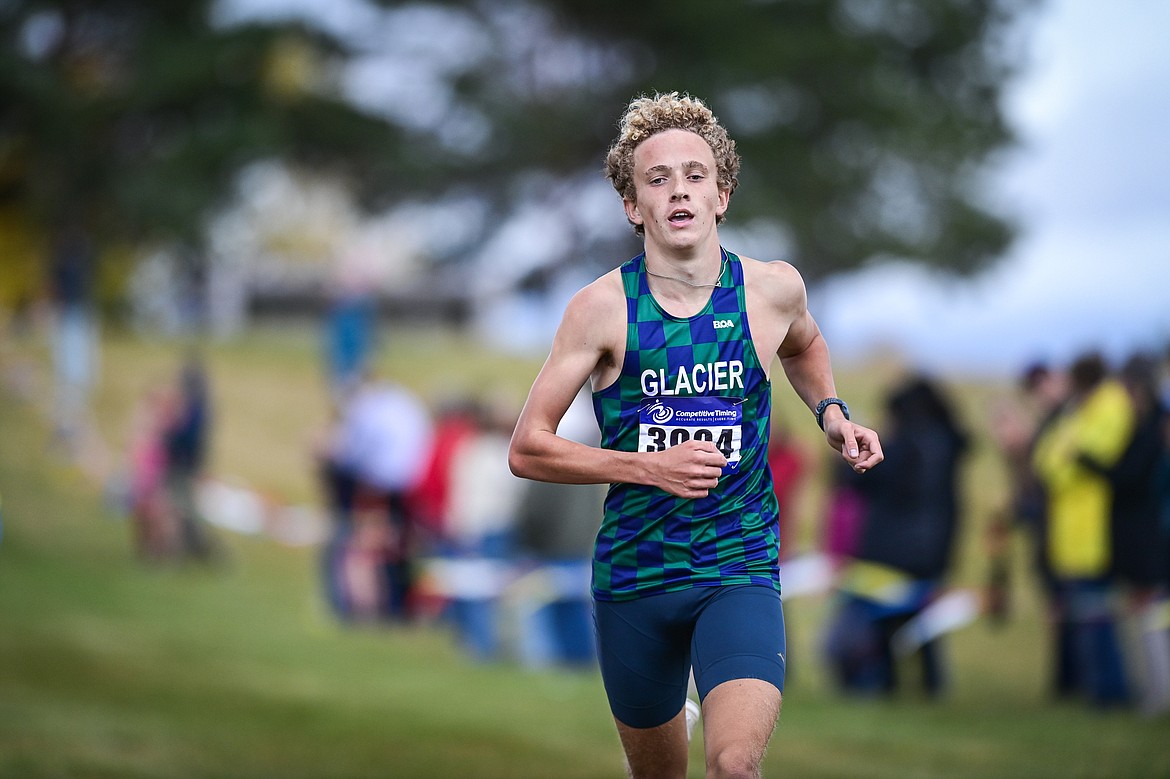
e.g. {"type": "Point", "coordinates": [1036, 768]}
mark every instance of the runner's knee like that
{"type": "Point", "coordinates": [735, 761]}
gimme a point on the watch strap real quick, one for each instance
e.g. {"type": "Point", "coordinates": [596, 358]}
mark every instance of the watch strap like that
{"type": "Point", "coordinates": [824, 404]}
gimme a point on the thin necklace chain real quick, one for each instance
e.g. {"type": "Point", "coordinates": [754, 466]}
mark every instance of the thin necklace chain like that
{"type": "Point", "coordinates": [718, 279]}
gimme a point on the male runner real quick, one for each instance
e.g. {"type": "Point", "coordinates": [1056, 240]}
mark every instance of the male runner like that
{"type": "Point", "coordinates": [678, 344]}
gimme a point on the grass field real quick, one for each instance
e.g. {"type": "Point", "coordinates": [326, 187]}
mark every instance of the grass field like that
{"type": "Point", "coordinates": [112, 669]}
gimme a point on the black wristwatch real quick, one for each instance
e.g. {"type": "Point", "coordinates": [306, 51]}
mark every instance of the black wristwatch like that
{"type": "Point", "coordinates": [824, 404]}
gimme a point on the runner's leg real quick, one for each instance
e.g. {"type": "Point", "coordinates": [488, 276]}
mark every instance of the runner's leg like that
{"type": "Point", "coordinates": [644, 653]}
{"type": "Point", "coordinates": [738, 719]}
{"type": "Point", "coordinates": [656, 753]}
{"type": "Point", "coordinates": [739, 661]}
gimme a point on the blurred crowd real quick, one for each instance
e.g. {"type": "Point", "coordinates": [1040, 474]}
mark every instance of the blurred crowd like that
{"type": "Point", "coordinates": [426, 522]}
{"type": "Point", "coordinates": [1087, 451]}
{"type": "Point", "coordinates": [892, 534]}
{"type": "Point", "coordinates": [1088, 456]}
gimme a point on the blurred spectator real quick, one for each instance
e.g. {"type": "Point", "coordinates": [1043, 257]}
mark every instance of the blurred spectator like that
{"type": "Point", "coordinates": [481, 521]}
{"type": "Point", "coordinates": [377, 451]}
{"type": "Point", "coordinates": [786, 460]}
{"type": "Point", "coordinates": [1043, 391]}
{"type": "Point", "coordinates": [75, 336]}
{"type": "Point", "coordinates": [1095, 426]}
{"type": "Point", "coordinates": [906, 543]}
{"type": "Point", "coordinates": [1139, 540]}
{"type": "Point", "coordinates": [369, 543]}
{"type": "Point", "coordinates": [556, 528]}
{"type": "Point", "coordinates": [339, 485]}
{"type": "Point", "coordinates": [1046, 388]}
{"type": "Point", "coordinates": [844, 514]}
{"type": "Point", "coordinates": [456, 422]}
{"type": "Point", "coordinates": [153, 523]}
{"type": "Point", "coordinates": [185, 439]}
{"type": "Point", "coordinates": [350, 330]}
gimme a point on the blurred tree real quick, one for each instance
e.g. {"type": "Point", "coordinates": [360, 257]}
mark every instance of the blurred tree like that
{"type": "Point", "coordinates": [132, 119]}
{"type": "Point", "coordinates": [865, 124]}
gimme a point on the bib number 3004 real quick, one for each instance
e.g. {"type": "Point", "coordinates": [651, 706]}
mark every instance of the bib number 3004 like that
{"type": "Point", "coordinates": [667, 422]}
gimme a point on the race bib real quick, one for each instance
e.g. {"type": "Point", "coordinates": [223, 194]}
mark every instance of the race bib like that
{"type": "Point", "coordinates": [670, 421]}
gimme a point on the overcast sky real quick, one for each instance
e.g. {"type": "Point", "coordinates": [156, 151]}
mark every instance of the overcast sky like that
{"type": "Point", "coordinates": [1091, 186]}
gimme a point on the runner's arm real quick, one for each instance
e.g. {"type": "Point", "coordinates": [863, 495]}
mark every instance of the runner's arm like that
{"type": "Point", "coordinates": [804, 356]}
{"type": "Point", "coordinates": [592, 330]}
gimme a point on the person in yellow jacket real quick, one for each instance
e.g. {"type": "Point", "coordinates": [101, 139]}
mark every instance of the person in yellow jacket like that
{"type": "Point", "coordinates": [1094, 428]}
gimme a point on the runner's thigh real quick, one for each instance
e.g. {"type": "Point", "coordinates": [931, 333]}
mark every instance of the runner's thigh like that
{"type": "Point", "coordinates": [740, 635]}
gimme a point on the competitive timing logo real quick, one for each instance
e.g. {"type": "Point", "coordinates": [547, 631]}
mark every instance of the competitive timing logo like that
{"type": "Point", "coordinates": [660, 413]}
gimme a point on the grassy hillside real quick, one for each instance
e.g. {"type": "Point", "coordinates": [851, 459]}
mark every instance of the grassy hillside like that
{"type": "Point", "coordinates": [109, 668]}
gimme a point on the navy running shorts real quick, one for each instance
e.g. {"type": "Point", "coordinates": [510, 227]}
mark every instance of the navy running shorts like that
{"type": "Point", "coordinates": [647, 647]}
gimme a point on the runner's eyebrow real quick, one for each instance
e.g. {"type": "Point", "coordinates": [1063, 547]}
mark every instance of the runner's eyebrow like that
{"type": "Point", "coordinates": [688, 165]}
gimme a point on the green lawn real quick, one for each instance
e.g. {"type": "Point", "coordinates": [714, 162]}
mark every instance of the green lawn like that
{"type": "Point", "coordinates": [112, 669]}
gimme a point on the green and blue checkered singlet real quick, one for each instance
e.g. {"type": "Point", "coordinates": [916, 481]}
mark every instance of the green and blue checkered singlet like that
{"type": "Point", "coordinates": [688, 378]}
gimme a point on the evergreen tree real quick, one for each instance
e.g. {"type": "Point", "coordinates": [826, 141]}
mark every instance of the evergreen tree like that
{"type": "Point", "coordinates": [865, 126]}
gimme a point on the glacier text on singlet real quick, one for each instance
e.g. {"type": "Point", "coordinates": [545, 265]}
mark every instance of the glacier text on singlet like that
{"type": "Point", "coordinates": [721, 376]}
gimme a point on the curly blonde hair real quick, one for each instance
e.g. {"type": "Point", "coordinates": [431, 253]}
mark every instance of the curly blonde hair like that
{"type": "Point", "coordinates": [647, 116]}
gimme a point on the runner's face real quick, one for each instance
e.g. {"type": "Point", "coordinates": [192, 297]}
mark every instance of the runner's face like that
{"type": "Point", "coordinates": [677, 195]}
